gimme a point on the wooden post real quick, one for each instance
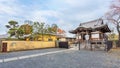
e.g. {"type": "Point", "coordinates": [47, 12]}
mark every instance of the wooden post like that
{"type": "Point", "coordinates": [79, 40]}
{"type": "Point", "coordinates": [79, 44]}
{"type": "Point", "coordinates": [90, 42]}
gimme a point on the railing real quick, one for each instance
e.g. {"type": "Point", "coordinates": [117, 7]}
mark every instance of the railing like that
{"type": "Point", "coordinates": [107, 44]}
{"type": "Point", "coordinates": [97, 44]}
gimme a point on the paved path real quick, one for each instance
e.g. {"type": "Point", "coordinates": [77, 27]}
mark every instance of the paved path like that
{"type": "Point", "coordinates": [24, 53]}
{"type": "Point", "coordinates": [67, 59]}
{"type": "Point", "coordinates": [31, 55]}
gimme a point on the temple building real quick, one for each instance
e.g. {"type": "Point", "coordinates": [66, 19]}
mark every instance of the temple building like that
{"type": "Point", "coordinates": [92, 31]}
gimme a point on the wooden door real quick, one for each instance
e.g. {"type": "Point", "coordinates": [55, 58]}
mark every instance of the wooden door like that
{"type": "Point", "coordinates": [4, 47]}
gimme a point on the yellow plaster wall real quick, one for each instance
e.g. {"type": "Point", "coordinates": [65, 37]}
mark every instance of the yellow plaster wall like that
{"type": "Point", "coordinates": [25, 45]}
{"type": "Point", "coordinates": [46, 37]}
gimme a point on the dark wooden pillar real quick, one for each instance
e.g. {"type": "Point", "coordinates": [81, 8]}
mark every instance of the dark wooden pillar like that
{"type": "Point", "coordinates": [90, 36]}
{"type": "Point", "coordinates": [79, 41]}
{"type": "Point", "coordinates": [101, 35]}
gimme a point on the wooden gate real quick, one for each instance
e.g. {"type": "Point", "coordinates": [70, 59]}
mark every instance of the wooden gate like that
{"type": "Point", "coordinates": [63, 45]}
{"type": "Point", "coordinates": [4, 47]}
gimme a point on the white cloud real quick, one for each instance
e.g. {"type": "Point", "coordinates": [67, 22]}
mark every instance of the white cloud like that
{"type": "Point", "coordinates": [9, 7]}
{"type": "Point", "coordinates": [42, 15]}
{"type": "Point", "coordinates": [7, 0]}
{"type": "Point", "coordinates": [46, 13]}
{"type": "Point", "coordinates": [67, 13]}
{"type": "Point", "coordinates": [77, 3]}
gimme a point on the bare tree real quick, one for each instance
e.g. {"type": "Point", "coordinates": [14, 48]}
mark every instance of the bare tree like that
{"type": "Point", "coordinates": [114, 15]}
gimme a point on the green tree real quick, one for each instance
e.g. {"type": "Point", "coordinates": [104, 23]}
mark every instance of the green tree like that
{"type": "Point", "coordinates": [12, 26]}
{"type": "Point", "coordinates": [54, 28]}
{"type": "Point", "coordinates": [39, 28]}
{"type": "Point", "coordinates": [20, 32]}
{"type": "Point", "coordinates": [49, 29]}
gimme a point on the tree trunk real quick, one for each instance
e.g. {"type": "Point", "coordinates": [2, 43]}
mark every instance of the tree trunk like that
{"type": "Point", "coordinates": [118, 31]}
{"type": "Point", "coordinates": [118, 44]}
{"type": "Point", "coordinates": [119, 35]}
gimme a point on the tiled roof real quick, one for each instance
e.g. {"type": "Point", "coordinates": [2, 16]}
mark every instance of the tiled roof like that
{"type": "Point", "coordinates": [95, 25]}
{"type": "Point", "coordinates": [91, 24]}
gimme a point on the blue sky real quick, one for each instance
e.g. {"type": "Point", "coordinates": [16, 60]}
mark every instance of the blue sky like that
{"type": "Point", "coordinates": [68, 14]}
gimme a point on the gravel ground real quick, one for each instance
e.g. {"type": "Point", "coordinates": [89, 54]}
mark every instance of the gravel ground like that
{"type": "Point", "coordinates": [69, 59]}
{"type": "Point", "coordinates": [115, 52]}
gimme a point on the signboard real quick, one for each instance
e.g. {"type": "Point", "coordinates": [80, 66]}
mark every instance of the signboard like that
{"type": "Point", "coordinates": [95, 35]}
